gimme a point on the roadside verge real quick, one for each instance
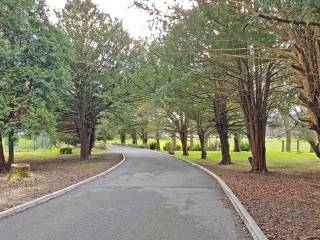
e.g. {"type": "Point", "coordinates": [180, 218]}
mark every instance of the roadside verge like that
{"type": "Point", "coordinates": [50, 196]}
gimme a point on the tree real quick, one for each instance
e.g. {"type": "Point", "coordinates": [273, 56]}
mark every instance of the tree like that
{"type": "Point", "coordinates": [101, 50]}
{"type": "Point", "coordinates": [35, 59]}
{"type": "Point", "coordinates": [298, 33]}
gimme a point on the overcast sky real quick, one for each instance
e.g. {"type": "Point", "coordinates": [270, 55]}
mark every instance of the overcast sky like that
{"type": "Point", "coordinates": [134, 20]}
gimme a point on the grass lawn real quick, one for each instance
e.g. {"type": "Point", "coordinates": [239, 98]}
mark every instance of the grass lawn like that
{"type": "Point", "coordinates": [20, 156]}
{"type": "Point", "coordinates": [291, 162]}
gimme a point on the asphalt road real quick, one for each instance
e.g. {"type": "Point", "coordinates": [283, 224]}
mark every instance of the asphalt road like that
{"type": "Point", "coordinates": [150, 197]}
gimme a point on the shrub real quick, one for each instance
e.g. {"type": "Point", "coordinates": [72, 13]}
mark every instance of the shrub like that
{"type": "Point", "coordinates": [212, 147]}
{"type": "Point", "coordinates": [153, 145]}
{"type": "Point", "coordinates": [101, 146]}
{"type": "Point", "coordinates": [197, 147]}
{"type": "Point", "coordinates": [135, 145]}
{"type": "Point", "coordinates": [168, 147]}
{"type": "Point", "coordinates": [65, 150]}
{"type": "Point", "coordinates": [178, 147]}
{"type": "Point", "coordinates": [245, 146]}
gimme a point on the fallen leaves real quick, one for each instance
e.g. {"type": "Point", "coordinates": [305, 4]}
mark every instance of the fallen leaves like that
{"type": "Point", "coordinates": [51, 175]}
{"type": "Point", "coordinates": [285, 206]}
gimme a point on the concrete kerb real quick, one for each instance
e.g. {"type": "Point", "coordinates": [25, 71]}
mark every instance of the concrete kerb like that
{"type": "Point", "coordinates": [50, 196]}
{"type": "Point", "coordinates": [250, 223]}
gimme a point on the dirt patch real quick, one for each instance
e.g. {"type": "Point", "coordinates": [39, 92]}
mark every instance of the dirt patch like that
{"type": "Point", "coordinates": [51, 174]}
{"type": "Point", "coordinates": [285, 206]}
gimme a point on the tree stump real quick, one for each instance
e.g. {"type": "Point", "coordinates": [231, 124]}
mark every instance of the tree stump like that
{"type": "Point", "coordinates": [19, 171]}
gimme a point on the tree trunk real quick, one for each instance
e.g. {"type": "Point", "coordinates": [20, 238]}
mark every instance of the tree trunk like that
{"type": "Point", "coordinates": [184, 143]}
{"type": "Point", "coordinates": [183, 134]}
{"type": "Point", "coordinates": [202, 144]}
{"type": "Point", "coordinates": [2, 158]}
{"type": "Point", "coordinates": [288, 140]}
{"type": "Point", "coordinates": [206, 140]}
{"type": "Point", "coordinates": [258, 149]}
{"type": "Point", "coordinates": [122, 135]}
{"type": "Point", "coordinates": [311, 149]}
{"type": "Point", "coordinates": [85, 136]}
{"type": "Point", "coordinates": [191, 145]}
{"type": "Point", "coordinates": [225, 149]}
{"type": "Point", "coordinates": [254, 92]}
{"type": "Point", "coordinates": [174, 140]}
{"type": "Point", "coordinates": [221, 117]}
{"type": "Point", "coordinates": [315, 146]}
{"type": "Point", "coordinates": [306, 49]}
{"type": "Point", "coordinates": [11, 149]}
{"type": "Point", "coordinates": [144, 137]}
{"type": "Point", "coordinates": [158, 140]}
{"type": "Point", "coordinates": [92, 139]}
{"type": "Point", "coordinates": [237, 142]}
{"type": "Point", "coordinates": [133, 134]}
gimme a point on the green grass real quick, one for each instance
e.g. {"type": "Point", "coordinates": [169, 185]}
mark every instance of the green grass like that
{"type": "Point", "coordinates": [273, 145]}
{"type": "Point", "coordinates": [276, 160]}
{"type": "Point", "coordinates": [289, 162]}
{"type": "Point", "coordinates": [44, 154]}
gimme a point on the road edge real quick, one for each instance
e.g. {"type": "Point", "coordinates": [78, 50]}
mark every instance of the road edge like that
{"type": "Point", "coordinates": [254, 230]}
{"type": "Point", "coordinates": [53, 195]}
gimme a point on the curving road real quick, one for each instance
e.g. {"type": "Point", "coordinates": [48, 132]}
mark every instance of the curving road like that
{"type": "Point", "coordinates": [150, 197]}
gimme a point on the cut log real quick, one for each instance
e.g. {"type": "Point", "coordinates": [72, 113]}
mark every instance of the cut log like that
{"type": "Point", "coordinates": [19, 171]}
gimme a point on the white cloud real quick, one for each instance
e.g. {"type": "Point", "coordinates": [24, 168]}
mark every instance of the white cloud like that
{"type": "Point", "coordinates": [134, 20]}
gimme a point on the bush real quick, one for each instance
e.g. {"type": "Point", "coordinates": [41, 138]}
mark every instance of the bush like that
{"type": "Point", "coordinates": [245, 146]}
{"type": "Point", "coordinates": [212, 147]}
{"type": "Point", "coordinates": [135, 145]}
{"type": "Point", "coordinates": [168, 147]}
{"type": "Point", "coordinates": [153, 145]}
{"type": "Point", "coordinates": [101, 146]}
{"type": "Point", "coordinates": [197, 147]}
{"type": "Point", "coordinates": [65, 150]}
{"type": "Point", "coordinates": [178, 147]}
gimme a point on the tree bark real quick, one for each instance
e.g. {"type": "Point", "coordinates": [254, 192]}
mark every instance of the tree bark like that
{"type": "Point", "coordinates": [2, 158]}
{"type": "Point", "coordinates": [92, 139]}
{"type": "Point", "coordinates": [202, 144]}
{"type": "Point", "coordinates": [133, 135]}
{"type": "Point", "coordinates": [237, 142]}
{"type": "Point", "coordinates": [85, 135]}
{"type": "Point", "coordinates": [11, 149]}
{"type": "Point", "coordinates": [191, 145]}
{"type": "Point", "coordinates": [183, 134]}
{"type": "Point", "coordinates": [174, 140]}
{"type": "Point", "coordinates": [222, 125]}
{"type": "Point", "coordinates": [288, 139]}
{"type": "Point", "coordinates": [315, 146]}
{"type": "Point", "coordinates": [122, 135]}
{"type": "Point", "coordinates": [158, 140]}
{"type": "Point", "coordinates": [184, 143]}
{"type": "Point", "coordinates": [144, 137]}
{"type": "Point", "coordinates": [254, 92]}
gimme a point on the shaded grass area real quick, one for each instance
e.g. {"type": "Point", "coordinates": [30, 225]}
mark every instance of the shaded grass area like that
{"type": "Point", "coordinates": [276, 161]}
